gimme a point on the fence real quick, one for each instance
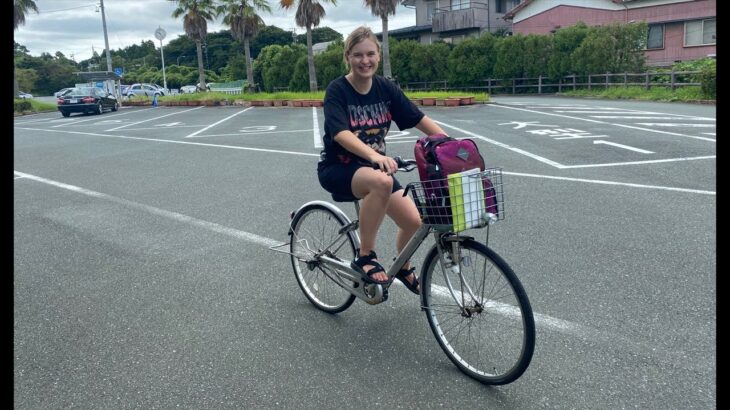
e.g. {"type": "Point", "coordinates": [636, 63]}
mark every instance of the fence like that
{"type": "Point", "coordinates": [543, 84]}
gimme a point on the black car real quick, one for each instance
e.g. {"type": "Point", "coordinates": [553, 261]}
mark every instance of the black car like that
{"type": "Point", "coordinates": [86, 99]}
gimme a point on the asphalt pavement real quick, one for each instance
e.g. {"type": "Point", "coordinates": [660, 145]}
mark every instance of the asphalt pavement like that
{"type": "Point", "coordinates": [143, 277]}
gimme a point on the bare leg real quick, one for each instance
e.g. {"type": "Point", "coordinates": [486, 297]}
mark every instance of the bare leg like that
{"type": "Point", "coordinates": [374, 187]}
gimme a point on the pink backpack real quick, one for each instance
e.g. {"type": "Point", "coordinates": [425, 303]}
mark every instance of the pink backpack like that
{"type": "Point", "coordinates": [437, 156]}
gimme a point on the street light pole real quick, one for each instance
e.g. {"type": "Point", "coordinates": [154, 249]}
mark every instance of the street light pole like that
{"type": "Point", "coordinates": [160, 33]}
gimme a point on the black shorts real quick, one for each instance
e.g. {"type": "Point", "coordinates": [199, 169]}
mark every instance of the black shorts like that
{"type": "Point", "coordinates": [337, 178]}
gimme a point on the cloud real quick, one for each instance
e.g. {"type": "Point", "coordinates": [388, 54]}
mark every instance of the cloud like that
{"type": "Point", "coordinates": [74, 27]}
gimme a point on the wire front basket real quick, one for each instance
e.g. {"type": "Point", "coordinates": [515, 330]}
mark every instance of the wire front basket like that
{"type": "Point", "coordinates": [465, 200]}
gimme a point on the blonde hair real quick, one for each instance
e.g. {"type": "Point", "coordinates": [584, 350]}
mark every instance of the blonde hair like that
{"type": "Point", "coordinates": [358, 35]}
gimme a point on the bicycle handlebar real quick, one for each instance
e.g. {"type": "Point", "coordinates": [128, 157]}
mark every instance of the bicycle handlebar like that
{"type": "Point", "coordinates": [405, 165]}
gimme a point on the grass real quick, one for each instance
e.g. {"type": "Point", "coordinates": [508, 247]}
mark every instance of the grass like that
{"type": "Point", "coordinates": [35, 107]}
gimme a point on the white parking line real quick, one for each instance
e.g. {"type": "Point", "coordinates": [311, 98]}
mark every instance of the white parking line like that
{"type": "Point", "coordinates": [639, 150]}
{"type": "Point", "coordinates": [153, 119]}
{"type": "Point", "coordinates": [74, 121]}
{"type": "Point", "coordinates": [315, 128]}
{"type": "Point", "coordinates": [603, 122]}
{"type": "Point", "coordinates": [216, 123]}
{"type": "Point", "coordinates": [477, 136]}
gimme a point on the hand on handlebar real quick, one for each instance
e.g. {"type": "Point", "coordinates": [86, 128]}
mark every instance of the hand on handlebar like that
{"type": "Point", "coordinates": [401, 164]}
{"type": "Point", "coordinates": [385, 164]}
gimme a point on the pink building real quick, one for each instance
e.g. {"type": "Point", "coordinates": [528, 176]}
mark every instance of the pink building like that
{"type": "Point", "coordinates": [679, 30]}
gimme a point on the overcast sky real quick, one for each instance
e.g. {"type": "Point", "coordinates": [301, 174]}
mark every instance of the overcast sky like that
{"type": "Point", "coordinates": [73, 27]}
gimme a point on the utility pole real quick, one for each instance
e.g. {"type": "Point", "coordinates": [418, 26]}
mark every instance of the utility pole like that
{"type": "Point", "coordinates": [106, 39]}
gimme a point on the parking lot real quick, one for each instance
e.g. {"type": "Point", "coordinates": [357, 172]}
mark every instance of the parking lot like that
{"type": "Point", "coordinates": [143, 277]}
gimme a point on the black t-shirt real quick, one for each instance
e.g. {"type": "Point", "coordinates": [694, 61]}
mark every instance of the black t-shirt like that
{"type": "Point", "coordinates": [367, 116]}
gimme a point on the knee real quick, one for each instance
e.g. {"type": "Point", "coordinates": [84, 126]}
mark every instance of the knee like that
{"type": "Point", "coordinates": [382, 184]}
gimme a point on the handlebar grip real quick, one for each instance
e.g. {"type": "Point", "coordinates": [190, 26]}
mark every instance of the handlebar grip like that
{"type": "Point", "coordinates": [406, 165]}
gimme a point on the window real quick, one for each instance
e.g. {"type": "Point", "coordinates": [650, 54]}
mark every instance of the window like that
{"type": "Point", "coordinates": [656, 37]}
{"type": "Point", "coordinates": [503, 6]}
{"type": "Point", "coordinates": [699, 32]}
{"type": "Point", "coordinates": [430, 9]}
{"type": "Point", "coordinates": [460, 4]}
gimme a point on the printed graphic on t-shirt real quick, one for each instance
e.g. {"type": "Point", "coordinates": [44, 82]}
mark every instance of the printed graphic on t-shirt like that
{"type": "Point", "coordinates": [370, 115]}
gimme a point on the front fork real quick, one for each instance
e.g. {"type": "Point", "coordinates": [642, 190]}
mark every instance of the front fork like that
{"type": "Point", "coordinates": [449, 251]}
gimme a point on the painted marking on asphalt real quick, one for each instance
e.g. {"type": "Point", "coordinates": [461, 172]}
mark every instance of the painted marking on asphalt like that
{"type": "Point", "coordinates": [541, 320]}
{"type": "Point", "coordinates": [217, 122]}
{"type": "Point", "coordinates": [623, 184]}
{"type": "Point", "coordinates": [74, 121]}
{"type": "Point", "coordinates": [643, 151]}
{"type": "Point", "coordinates": [249, 132]}
{"type": "Point", "coordinates": [315, 129]}
{"type": "Point", "coordinates": [603, 122]}
{"type": "Point", "coordinates": [200, 144]}
{"type": "Point", "coordinates": [629, 117]}
{"type": "Point", "coordinates": [499, 144]}
{"type": "Point", "coordinates": [153, 119]}
{"type": "Point", "coordinates": [672, 124]}
{"type": "Point", "coordinates": [395, 142]}
{"type": "Point", "coordinates": [169, 124]}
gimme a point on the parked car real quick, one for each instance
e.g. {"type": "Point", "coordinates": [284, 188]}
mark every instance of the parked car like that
{"type": "Point", "coordinates": [147, 90]}
{"type": "Point", "coordinates": [162, 89]}
{"type": "Point", "coordinates": [87, 100]}
{"type": "Point", "coordinates": [24, 95]}
{"type": "Point", "coordinates": [188, 89]}
{"type": "Point", "coordinates": [123, 89]}
{"type": "Point", "coordinates": [62, 91]}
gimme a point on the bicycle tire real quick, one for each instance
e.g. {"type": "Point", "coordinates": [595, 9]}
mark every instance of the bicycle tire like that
{"type": "Point", "coordinates": [494, 342]}
{"type": "Point", "coordinates": [314, 227]}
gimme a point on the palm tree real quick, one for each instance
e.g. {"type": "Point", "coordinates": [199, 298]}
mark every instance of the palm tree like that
{"type": "Point", "coordinates": [382, 9]}
{"type": "Point", "coordinates": [196, 14]}
{"type": "Point", "coordinates": [20, 9]}
{"type": "Point", "coordinates": [309, 13]}
{"type": "Point", "coordinates": [241, 17]}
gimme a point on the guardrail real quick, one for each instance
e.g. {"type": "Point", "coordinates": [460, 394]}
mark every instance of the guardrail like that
{"type": "Point", "coordinates": [543, 84]}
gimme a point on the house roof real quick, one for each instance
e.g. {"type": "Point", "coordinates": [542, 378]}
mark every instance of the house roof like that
{"type": "Point", "coordinates": [407, 30]}
{"type": "Point", "coordinates": [511, 14]}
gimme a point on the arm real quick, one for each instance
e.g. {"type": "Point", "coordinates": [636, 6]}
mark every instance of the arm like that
{"type": "Point", "coordinates": [429, 127]}
{"type": "Point", "coordinates": [352, 143]}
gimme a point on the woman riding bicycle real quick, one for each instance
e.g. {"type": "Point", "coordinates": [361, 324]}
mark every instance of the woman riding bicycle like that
{"type": "Point", "coordinates": [358, 109]}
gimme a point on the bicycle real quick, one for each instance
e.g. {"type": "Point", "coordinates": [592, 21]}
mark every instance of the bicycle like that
{"type": "Point", "coordinates": [476, 306]}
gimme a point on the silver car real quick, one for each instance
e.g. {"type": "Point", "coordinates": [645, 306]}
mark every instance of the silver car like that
{"type": "Point", "coordinates": [148, 90]}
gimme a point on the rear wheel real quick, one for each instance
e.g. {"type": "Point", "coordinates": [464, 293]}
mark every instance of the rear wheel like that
{"type": "Point", "coordinates": [481, 318]}
{"type": "Point", "coordinates": [65, 113]}
{"type": "Point", "coordinates": [99, 108]}
{"type": "Point", "coordinates": [314, 228]}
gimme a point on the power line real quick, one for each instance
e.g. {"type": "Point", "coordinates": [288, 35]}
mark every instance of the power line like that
{"type": "Point", "coordinates": [72, 8]}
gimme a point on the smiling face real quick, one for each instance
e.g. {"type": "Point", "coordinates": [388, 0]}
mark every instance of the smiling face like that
{"type": "Point", "coordinates": [363, 59]}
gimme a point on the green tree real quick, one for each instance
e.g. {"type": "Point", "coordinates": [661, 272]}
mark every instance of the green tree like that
{"type": "Point", "coordinates": [613, 48]}
{"type": "Point", "coordinates": [196, 15]}
{"type": "Point", "coordinates": [565, 42]}
{"type": "Point", "coordinates": [430, 61]}
{"type": "Point", "coordinates": [383, 9]}
{"type": "Point", "coordinates": [401, 51]}
{"type": "Point", "coordinates": [320, 35]}
{"type": "Point", "coordinates": [308, 15]}
{"type": "Point", "coordinates": [20, 9]}
{"type": "Point", "coordinates": [536, 54]}
{"type": "Point", "coordinates": [241, 17]}
{"type": "Point", "coordinates": [471, 60]}
{"type": "Point", "coordinates": [268, 36]}
{"type": "Point", "coordinates": [509, 56]}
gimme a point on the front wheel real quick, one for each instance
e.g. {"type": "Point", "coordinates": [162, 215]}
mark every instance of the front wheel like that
{"type": "Point", "coordinates": [479, 312]}
{"type": "Point", "coordinates": [314, 228]}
